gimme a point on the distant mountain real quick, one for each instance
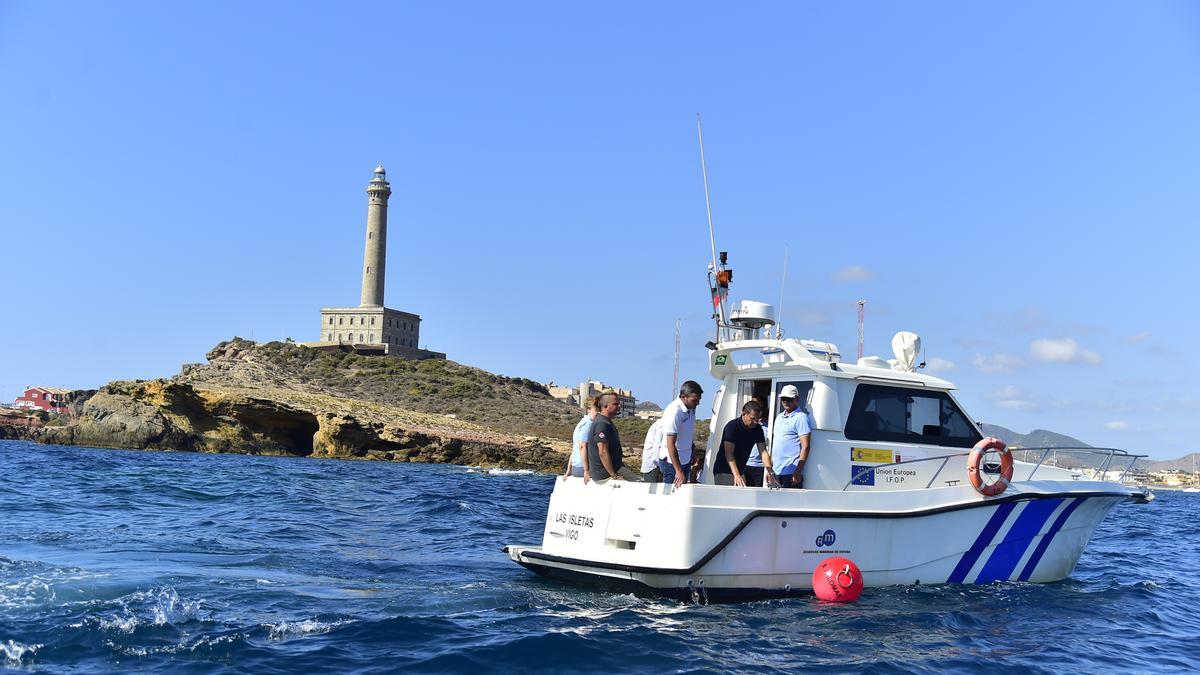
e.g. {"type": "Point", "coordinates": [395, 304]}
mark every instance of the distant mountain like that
{"type": "Point", "coordinates": [1183, 463]}
{"type": "Point", "coordinates": [1038, 438]}
{"type": "Point", "coordinates": [648, 405]}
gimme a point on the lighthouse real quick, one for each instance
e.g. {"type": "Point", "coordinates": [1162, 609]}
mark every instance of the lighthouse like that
{"type": "Point", "coordinates": [373, 328]}
{"type": "Point", "coordinates": [375, 253]}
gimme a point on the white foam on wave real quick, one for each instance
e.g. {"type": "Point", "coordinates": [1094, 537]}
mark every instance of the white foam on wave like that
{"type": "Point", "coordinates": [125, 623]}
{"type": "Point", "coordinates": [31, 583]}
{"type": "Point", "coordinates": [157, 607]}
{"type": "Point", "coordinates": [500, 472]}
{"type": "Point", "coordinates": [14, 652]}
{"type": "Point", "coordinates": [184, 647]}
{"type": "Point", "coordinates": [291, 629]}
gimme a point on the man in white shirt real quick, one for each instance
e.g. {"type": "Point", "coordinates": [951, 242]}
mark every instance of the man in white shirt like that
{"type": "Point", "coordinates": [678, 427]}
{"type": "Point", "coordinates": [650, 448]}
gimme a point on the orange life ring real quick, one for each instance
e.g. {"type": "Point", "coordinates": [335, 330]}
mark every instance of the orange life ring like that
{"type": "Point", "coordinates": [976, 459]}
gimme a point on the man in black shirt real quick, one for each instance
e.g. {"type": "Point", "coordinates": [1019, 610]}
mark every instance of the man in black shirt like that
{"type": "Point", "coordinates": [604, 445]}
{"type": "Point", "coordinates": [739, 438]}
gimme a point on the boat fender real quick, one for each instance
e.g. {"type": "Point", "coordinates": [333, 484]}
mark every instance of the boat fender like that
{"type": "Point", "coordinates": [975, 466]}
{"type": "Point", "coordinates": [837, 579]}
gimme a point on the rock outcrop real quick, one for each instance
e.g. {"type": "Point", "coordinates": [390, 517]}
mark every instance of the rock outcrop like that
{"type": "Point", "coordinates": [21, 425]}
{"type": "Point", "coordinates": [269, 419]}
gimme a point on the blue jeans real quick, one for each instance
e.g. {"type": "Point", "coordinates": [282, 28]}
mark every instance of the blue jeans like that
{"type": "Point", "coordinates": [668, 471]}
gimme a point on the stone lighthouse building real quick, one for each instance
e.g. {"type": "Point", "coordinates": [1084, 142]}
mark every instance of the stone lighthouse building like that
{"type": "Point", "coordinates": [372, 328]}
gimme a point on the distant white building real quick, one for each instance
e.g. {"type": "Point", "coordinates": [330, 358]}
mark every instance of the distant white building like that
{"type": "Point", "coordinates": [596, 387]}
{"type": "Point", "coordinates": [578, 396]}
{"type": "Point", "coordinates": [564, 394]}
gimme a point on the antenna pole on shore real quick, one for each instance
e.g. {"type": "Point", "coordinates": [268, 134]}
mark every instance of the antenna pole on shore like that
{"type": "Point", "coordinates": [675, 380]}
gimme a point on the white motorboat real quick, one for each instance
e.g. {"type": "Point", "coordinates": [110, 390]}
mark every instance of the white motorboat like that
{"type": "Point", "coordinates": [894, 482]}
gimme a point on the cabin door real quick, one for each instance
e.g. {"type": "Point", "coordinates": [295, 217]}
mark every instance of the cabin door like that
{"type": "Point", "coordinates": [805, 388]}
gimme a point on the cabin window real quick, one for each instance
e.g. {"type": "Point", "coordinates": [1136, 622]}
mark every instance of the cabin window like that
{"type": "Point", "coordinates": [805, 389]}
{"type": "Point", "coordinates": [882, 413]}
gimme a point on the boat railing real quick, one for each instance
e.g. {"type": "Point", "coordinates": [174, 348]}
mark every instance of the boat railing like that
{"type": "Point", "coordinates": [1109, 455]}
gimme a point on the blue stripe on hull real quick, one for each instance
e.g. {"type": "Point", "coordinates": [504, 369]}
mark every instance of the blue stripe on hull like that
{"type": "Point", "coordinates": [985, 537]}
{"type": "Point", "coordinates": [1049, 536]}
{"type": "Point", "coordinates": [1008, 552]}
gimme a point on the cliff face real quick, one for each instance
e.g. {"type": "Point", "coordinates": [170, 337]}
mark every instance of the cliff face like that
{"type": "Point", "coordinates": [21, 425]}
{"type": "Point", "coordinates": [286, 400]}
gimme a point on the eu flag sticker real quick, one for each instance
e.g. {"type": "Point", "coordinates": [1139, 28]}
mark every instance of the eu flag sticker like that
{"type": "Point", "coordinates": [862, 475]}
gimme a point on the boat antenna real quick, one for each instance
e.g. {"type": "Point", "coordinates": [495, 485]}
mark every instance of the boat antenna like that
{"type": "Point", "coordinates": [782, 283]}
{"type": "Point", "coordinates": [862, 304]}
{"type": "Point", "coordinates": [712, 240]}
{"type": "Point", "coordinates": [720, 275]}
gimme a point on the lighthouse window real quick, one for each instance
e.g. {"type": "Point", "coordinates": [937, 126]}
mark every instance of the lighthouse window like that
{"type": "Point", "coordinates": [881, 413]}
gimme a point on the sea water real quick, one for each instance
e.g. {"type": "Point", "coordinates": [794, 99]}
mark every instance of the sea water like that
{"type": "Point", "coordinates": [119, 561]}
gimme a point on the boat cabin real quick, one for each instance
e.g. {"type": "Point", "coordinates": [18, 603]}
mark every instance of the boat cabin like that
{"type": "Point", "coordinates": [863, 415]}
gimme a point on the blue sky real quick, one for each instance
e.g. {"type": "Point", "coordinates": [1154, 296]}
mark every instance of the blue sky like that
{"type": "Point", "coordinates": [1016, 182]}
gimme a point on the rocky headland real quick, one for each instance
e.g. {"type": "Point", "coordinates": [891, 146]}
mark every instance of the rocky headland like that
{"type": "Point", "coordinates": [285, 399]}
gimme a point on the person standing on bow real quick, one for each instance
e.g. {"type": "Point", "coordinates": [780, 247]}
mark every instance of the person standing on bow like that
{"type": "Point", "coordinates": [577, 464]}
{"type": "Point", "coordinates": [790, 437]}
{"type": "Point", "coordinates": [678, 428]}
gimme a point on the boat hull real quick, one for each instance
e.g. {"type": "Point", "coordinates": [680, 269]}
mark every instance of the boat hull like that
{"type": "Point", "coordinates": [720, 542]}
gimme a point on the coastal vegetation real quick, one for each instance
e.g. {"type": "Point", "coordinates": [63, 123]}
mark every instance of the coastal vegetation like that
{"type": "Point", "coordinates": [281, 398]}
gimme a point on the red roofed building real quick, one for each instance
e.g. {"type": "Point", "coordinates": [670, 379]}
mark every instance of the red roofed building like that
{"type": "Point", "coordinates": [46, 398]}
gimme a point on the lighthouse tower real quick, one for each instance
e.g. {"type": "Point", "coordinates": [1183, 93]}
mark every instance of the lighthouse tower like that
{"type": "Point", "coordinates": [375, 255]}
{"type": "Point", "coordinates": [372, 328]}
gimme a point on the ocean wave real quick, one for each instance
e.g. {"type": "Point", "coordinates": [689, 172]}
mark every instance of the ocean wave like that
{"type": "Point", "coordinates": [155, 607]}
{"type": "Point", "coordinates": [15, 652]}
{"type": "Point", "coordinates": [285, 630]}
{"type": "Point", "coordinates": [500, 472]}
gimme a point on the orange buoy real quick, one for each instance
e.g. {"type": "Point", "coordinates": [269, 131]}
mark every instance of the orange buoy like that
{"type": "Point", "coordinates": [837, 580]}
{"type": "Point", "coordinates": [975, 461]}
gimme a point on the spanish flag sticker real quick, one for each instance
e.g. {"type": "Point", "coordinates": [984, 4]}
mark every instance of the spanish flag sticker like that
{"type": "Point", "coordinates": [879, 456]}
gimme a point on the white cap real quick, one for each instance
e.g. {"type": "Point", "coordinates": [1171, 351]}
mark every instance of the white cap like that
{"type": "Point", "coordinates": [789, 391]}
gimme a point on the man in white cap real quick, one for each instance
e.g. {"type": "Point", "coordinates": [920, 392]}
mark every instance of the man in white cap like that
{"type": "Point", "coordinates": [790, 438]}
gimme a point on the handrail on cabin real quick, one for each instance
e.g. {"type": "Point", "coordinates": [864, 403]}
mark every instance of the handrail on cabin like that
{"type": "Point", "coordinates": [1109, 455]}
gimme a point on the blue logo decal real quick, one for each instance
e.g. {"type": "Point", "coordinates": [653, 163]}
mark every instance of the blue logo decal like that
{"type": "Point", "coordinates": [826, 539]}
{"type": "Point", "coordinates": [862, 475]}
